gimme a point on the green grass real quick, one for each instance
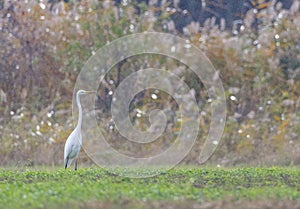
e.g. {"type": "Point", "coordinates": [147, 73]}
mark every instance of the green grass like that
{"type": "Point", "coordinates": [181, 187]}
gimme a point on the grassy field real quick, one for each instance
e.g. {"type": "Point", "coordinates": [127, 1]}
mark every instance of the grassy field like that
{"type": "Point", "coordinates": [180, 187]}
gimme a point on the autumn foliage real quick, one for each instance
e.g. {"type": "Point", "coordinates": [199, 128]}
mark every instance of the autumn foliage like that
{"type": "Point", "coordinates": [43, 50]}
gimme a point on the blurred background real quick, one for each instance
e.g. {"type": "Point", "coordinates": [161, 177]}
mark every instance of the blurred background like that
{"type": "Point", "coordinates": [253, 44]}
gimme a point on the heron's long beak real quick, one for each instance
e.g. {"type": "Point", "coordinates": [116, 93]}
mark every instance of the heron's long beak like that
{"type": "Point", "coordinates": [90, 92]}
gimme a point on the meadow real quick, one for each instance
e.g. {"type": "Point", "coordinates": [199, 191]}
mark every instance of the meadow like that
{"type": "Point", "coordinates": [180, 187]}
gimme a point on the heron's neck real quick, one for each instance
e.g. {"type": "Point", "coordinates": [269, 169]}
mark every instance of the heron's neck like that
{"type": "Point", "coordinates": [79, 112]}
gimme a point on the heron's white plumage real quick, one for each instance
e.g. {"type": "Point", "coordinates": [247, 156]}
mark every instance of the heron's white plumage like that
{"type": "Point", "coordinates": [72, 146]}
{"type": "Point", "coordinates": [74, 141]}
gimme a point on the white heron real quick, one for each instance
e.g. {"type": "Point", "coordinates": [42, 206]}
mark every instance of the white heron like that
{"type": "Point", "coordinates": [74, 141]}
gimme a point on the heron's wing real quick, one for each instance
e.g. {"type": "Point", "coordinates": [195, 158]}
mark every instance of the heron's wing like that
{"type": "Point", "coordinates": [68, 148]}
{"type": "Point", "coordinates": [69, 144]}
{"type": "Point", "coordinates": [72, 145]}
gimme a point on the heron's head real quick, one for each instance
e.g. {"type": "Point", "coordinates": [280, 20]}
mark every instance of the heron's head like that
{"type": "Point", "coordinates": [80, 92]}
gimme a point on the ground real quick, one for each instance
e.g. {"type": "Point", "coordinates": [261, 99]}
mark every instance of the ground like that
{"type": "Point", "coordinates": [181, 187]}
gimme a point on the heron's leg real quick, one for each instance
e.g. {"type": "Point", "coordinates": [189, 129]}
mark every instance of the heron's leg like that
{"type": "Point", "coordinates": [76, 162]}
{"type": "Point", "coordinates": [66, 165]}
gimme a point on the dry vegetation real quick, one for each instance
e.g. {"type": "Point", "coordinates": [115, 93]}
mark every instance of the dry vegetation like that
{"type": "Point", "coordinates": [43, 51]}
